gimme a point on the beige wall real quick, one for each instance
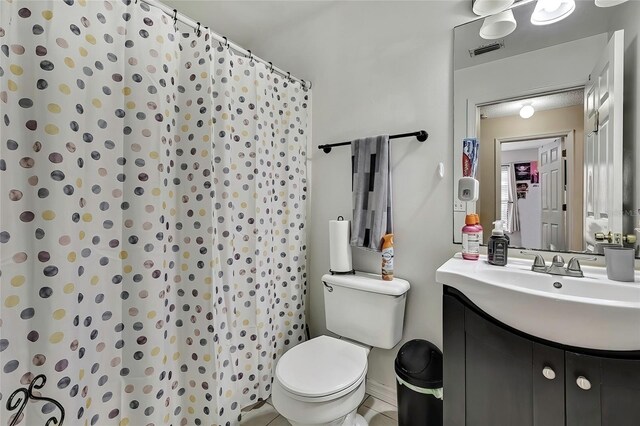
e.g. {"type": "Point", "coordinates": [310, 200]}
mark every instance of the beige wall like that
{"type": "Point", "coordinates": [558, 120]}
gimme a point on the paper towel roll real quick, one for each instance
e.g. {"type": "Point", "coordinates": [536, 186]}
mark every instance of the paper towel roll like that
{"type": "Point", "coordinates": [339, 248]}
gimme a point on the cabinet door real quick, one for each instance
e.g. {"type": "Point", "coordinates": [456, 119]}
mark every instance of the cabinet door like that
{"type": "Point", "coordinates": [548, 386]}
{"type": "Point", "coordinates": [609, 397]}
{"type": "Point", "coordinates": [499, 388]}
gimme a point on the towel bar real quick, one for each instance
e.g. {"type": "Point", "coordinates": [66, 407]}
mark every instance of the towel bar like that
{"type": "Point", "coordinates": [421, 135]}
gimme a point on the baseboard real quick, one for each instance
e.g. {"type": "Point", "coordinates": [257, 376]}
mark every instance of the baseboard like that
{"type": "Point", "coordinates": [382, 392]}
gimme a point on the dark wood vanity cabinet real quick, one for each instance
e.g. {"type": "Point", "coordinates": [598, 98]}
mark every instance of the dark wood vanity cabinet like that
{"type": "Point", "coordinates": [497, 376]}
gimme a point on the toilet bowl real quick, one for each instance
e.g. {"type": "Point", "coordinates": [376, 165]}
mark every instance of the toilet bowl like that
{"type": "Point", "coordinates": [321, 382]}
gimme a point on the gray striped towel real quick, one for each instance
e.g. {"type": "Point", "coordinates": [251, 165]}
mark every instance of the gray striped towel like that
{"type": "Point", "coordinates": [371, 192]}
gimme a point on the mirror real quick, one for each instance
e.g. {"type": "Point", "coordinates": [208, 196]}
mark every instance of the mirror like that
{"type": "Point", "coordinates": [556, 112]}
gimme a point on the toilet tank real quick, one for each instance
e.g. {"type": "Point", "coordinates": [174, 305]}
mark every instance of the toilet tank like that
{"type": "Point", "coordinates": [364, 308]}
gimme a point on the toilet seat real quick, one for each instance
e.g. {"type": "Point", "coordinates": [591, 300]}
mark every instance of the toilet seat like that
{"type": "Point", "coordinates": [321, 369]}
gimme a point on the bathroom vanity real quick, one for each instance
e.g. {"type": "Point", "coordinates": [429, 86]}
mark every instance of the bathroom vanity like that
{"type": "Point", "coordinates": [496, 374]}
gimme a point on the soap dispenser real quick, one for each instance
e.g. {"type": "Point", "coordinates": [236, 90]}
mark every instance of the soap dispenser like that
{"type": "Point", "coordinates": [498, 245]}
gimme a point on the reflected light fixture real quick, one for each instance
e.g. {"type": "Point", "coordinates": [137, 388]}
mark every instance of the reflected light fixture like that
{"type": "Point", "coordinates": [609, 3]}
{"type": "Point", "coordinates": [498, 26]}
{"type": "Point", "coordinates": [527, 111]}
{"type": "Point", "coordinates": [490, 7]}
{"type": "Point", "coordinates": [551, 11]}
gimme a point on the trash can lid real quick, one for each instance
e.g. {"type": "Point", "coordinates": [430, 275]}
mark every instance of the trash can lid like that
{"type": "Point", "coordinates": [419, 363]}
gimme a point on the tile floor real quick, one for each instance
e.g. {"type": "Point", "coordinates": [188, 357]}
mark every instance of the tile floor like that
{"type": "Point", "coordinates": [375, 411]}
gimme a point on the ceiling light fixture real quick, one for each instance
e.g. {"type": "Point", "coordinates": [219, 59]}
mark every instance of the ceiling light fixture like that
{"type": "Point", "coordinates": [609, 3]}
{"type": "Point", "coordinates": [527, 111]}
{"type": "Point", "coordinates": [490, 7]}
{"type": "Point", "coordinates": [498, 26]}
{"type": "Point", "coordinates": [551, 11]}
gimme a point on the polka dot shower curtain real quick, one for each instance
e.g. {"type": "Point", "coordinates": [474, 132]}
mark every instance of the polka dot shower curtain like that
{"type": "Point", "coordinates": [259, 216]}
{"type": "Point", "coordinates": [152, 210]}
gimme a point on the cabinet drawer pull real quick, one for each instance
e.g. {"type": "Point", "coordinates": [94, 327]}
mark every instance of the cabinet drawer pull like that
{"type": "Point", "coordinates": [583, 383]}
{"type": "Point", "coordinates": [548, 373]}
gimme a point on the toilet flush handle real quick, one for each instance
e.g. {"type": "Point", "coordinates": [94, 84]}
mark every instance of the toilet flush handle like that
{"type": "Point", "coordinates": [329, 288]}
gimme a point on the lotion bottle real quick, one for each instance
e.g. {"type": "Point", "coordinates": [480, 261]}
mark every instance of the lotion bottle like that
{"type": "Point", "coordinates": [498, 249]}
{"type": "Point", "coordinates": [470, 239]}
{"type": "Point", "coordinates": [477, 219]}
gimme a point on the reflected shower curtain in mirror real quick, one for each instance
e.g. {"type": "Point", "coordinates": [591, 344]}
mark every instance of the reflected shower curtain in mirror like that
{"type": "Point", "coordinates": [513, 212]}
{"type": "Point", "coordinates": [152, 241]}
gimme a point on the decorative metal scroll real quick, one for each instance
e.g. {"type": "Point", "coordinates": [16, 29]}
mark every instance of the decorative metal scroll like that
{"type": "Point", "coordinates": [19, 398]}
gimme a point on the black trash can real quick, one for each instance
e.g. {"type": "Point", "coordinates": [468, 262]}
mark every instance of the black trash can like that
{"type": "Point", "coordinates": [419, 387]}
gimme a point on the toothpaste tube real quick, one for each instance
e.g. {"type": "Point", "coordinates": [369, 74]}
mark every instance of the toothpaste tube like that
{"type": "Point", "coordinates": [470, 151]}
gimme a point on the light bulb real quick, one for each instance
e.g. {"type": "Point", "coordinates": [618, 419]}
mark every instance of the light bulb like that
{"type": "Point", "coordinates": [527, 111]}
{"type": "Point", "coordinates": [551, 11]}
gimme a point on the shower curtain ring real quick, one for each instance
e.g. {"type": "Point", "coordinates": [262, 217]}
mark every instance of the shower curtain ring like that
{"type": "Point", "coordinates": [250, 55]}
{"type": "Point", "coordinates": [198, 30]}
{"type": "Point", "coordinates": [270, 67]}
{"type": "Point", "coordinates": [289, 76]}
{"type": "Point", "coordinates": [226, 42]}
{"type": "Point", "coordinates": [175, 19]}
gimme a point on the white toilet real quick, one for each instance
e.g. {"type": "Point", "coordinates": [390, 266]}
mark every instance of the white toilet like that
{"type": "Point", "coordinates": [321, 382]}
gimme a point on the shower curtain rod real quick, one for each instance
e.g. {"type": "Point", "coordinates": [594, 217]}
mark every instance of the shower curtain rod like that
{"type": "Point", "coordinates": [421, 135]}
{"type": "Point", "coordinates": [174, 13]}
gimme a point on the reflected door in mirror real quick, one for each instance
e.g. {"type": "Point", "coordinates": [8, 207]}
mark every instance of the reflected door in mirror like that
{"type": "Point", "coordinates": [603, 144]}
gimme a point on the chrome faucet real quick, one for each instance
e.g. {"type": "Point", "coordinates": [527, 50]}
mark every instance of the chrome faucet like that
{"type": "Point", "coordinates": [557, 267]}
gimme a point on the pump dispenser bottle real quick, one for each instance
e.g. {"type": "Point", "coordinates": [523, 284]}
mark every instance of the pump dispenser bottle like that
{"type": "Point", "coordinates": [498, 245]}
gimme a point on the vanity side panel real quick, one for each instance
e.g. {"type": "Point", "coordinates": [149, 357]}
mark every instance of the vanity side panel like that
{"type": "Point", "coordinates": [454, 363]}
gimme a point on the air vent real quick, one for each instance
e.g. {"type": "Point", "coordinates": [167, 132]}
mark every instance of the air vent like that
{"type": "Point", "coordinates": [486, 48]}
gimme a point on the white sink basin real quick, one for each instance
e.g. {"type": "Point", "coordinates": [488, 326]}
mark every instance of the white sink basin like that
{"type": "Point", "coordinates": [591, 312]}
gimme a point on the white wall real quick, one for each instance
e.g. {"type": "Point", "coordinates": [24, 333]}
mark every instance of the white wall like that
{"type": "Point", "coordinates": [381, 67]}
{"type": "Point", "coordinates": [519, 155]}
